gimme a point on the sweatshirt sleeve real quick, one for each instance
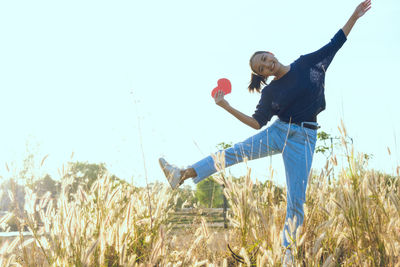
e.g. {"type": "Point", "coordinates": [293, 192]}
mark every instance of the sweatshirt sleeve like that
{"type": "Point", "coordinates": [325, 54]}
{"type": "Point", "coordinates": [263, 113]}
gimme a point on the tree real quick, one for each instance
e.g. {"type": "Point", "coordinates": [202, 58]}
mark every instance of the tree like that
{"type": "Point", "coordinates": [12, 199]}
{"type": "Point", "coordinates": [209, 193]}
{"type": "Point", "coordinates": [11, 194]}
{"type": "Point", "coordinates": [30, 168]}
{"type": "Point", "coordinates": [323, 148]}
{"type": "Point", "coordinates": [46, 184]}
{"type": "Point", "coordinates": [186, 197]}
{"type": "Point", "coordinates": [84, 174]}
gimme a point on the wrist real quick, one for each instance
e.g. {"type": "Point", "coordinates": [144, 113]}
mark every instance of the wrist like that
{"type": "Point", "coordinates": [354, 17]}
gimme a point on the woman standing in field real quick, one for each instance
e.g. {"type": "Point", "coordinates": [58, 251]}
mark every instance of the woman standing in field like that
{"type": "Point", "coordinates": [296, 96]}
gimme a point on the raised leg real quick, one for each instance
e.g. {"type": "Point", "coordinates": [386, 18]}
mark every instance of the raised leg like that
{"type": "Point", "coordinates": [267, 142]}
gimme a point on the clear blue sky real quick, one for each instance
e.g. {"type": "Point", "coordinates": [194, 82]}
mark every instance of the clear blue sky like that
{"type": "Point", "coordinates": [71, 71]}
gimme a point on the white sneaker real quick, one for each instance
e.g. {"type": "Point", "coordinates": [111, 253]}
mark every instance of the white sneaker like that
{"type": "Point", "coordinates": [172, 173]}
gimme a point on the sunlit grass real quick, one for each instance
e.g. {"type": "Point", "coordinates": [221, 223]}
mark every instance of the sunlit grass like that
{"type": "Point", "coordinates": [352, 220]}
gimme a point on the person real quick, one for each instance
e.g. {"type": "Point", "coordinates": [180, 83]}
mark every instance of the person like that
{"type": "Point", "coordinates": [296, 97]}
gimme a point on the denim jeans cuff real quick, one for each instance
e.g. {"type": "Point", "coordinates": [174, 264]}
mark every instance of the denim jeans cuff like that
{"type": "Point", "coordinates": [203, 168]}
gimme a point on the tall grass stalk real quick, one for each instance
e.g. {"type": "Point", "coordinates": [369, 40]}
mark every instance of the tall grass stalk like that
{"type": "Point", "coordinates": [109, 225]}
{"type": "Point", "coordinates": [353, 220]}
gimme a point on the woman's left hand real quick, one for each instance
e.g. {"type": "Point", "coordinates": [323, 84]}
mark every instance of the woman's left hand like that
{"type": "Point", "coordinates": [362, 8]}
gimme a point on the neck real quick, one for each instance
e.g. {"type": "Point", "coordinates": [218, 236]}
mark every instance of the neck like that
{"type": "Point", "coordinates": [281, 71]}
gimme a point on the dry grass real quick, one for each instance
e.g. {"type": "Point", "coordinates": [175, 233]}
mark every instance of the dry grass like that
{"type": "Point", "coordinates": [352, 221]}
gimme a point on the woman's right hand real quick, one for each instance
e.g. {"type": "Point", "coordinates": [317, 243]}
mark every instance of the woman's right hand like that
{"type": "Point", "coordinates": [220, 100]}
{"type": "Point", "coordinates": [250, 121]}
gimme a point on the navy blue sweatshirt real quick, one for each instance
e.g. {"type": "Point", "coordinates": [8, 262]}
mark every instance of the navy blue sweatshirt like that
{"type": "Point", "coordinates": [299, 95]}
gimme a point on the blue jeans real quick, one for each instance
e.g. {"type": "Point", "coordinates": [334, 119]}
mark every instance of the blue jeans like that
{"type": "Point", "coordinates": [296, 143]}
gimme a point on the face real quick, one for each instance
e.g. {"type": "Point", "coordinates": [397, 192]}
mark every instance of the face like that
{"type": "Point", "coordinates": [264, 64]}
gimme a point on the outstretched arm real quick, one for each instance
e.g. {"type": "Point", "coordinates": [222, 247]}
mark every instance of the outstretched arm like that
{"type": "Point", "coordinates": [360, 10]}
{"type": "Point", "coordinates": [250, 121]}
{"type": "Point", "coordinates": [325, 54]}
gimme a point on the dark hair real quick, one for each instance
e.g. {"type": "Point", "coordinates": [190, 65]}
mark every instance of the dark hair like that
{"type": "Point", "coordinates": [256, 80]}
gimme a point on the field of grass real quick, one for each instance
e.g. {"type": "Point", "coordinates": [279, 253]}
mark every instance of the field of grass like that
{"type": "Point", "coordinates": [352, 219]}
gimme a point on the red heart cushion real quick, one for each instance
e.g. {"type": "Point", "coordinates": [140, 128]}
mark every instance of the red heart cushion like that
{"type": "Point", "coordinates": [224, 85]}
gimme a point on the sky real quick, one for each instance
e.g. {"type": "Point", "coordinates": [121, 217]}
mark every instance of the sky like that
{"type": "Point", "coordinates": [125, 82]}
